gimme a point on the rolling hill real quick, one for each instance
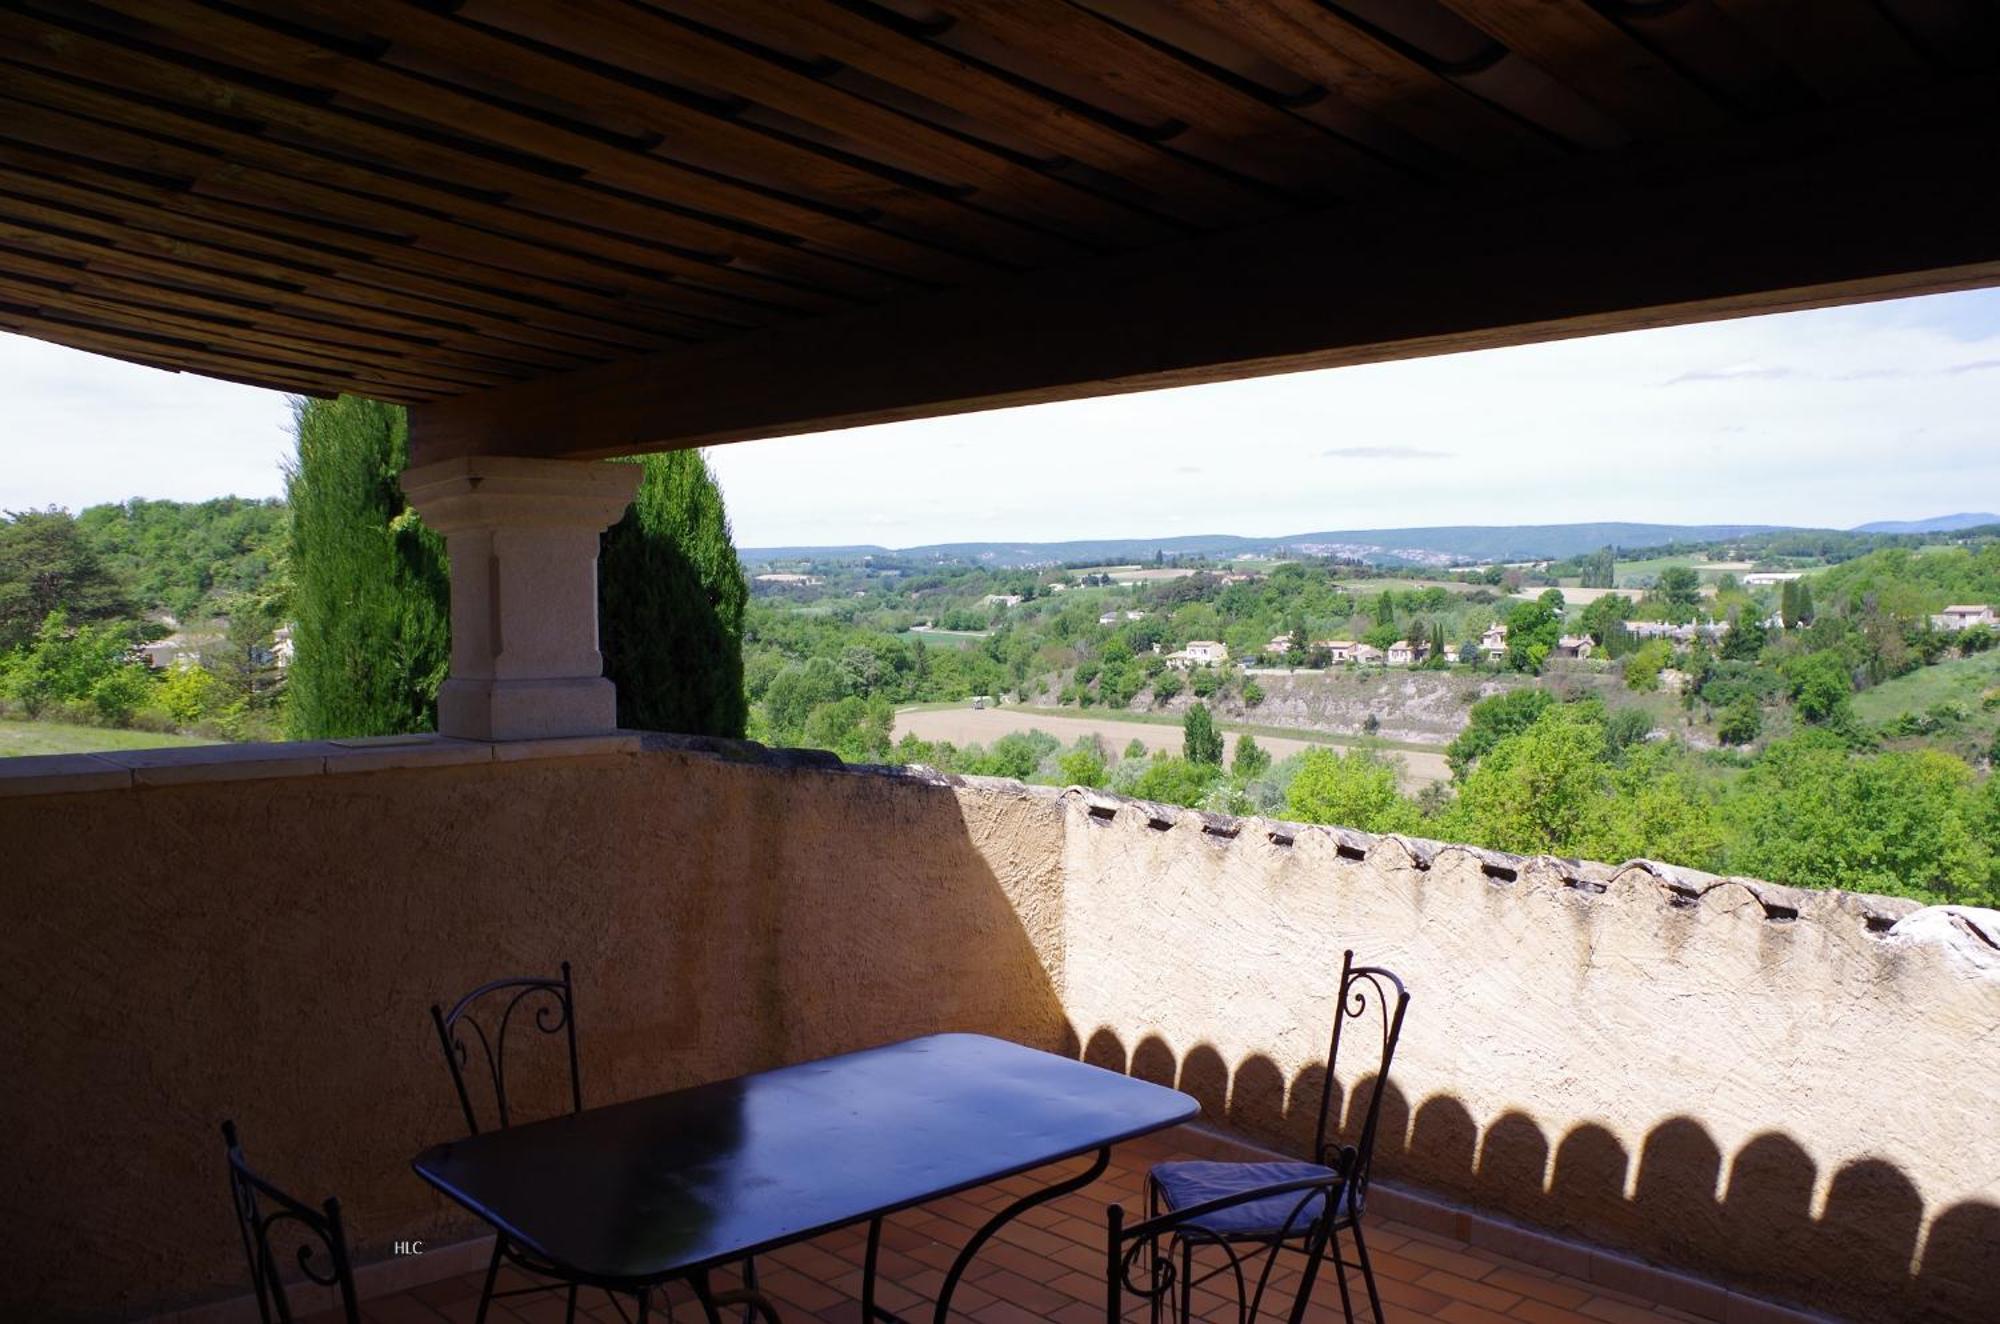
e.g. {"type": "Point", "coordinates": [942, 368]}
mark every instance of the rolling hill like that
{"type": "Point", "coordinates": [1434, 546]}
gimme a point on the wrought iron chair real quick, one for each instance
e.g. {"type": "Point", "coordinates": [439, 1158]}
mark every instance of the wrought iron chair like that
{"type": "Point", "coordinates": [261, 1207]}
{"type": "Point", "coordinates": [552, 1004]}
{"type": "Point", "coordinates": [553, 1008]}
{"type": "Point", "coordinates": [1305, 1206]}
{"type": "Point", "coordinates": [1232, 1205]}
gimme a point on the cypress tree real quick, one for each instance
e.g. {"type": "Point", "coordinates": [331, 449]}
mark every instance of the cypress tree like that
{"type": "Point", "coordinates": [671, 598]}
{"type": "Point", "coordinates": [1200, 741]}
{"type": "Point", "coordinates": [370, 585]}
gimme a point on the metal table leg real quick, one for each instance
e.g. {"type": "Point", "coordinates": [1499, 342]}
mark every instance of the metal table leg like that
{"type": "Point", "coordinates": [1004, 1217]}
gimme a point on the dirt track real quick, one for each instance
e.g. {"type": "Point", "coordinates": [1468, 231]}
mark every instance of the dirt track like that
{"type": "Point", "coordinates": [966, 726]}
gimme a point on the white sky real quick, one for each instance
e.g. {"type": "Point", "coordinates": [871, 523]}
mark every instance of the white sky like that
{"type": "Point", "coordinates": [1882, 411]}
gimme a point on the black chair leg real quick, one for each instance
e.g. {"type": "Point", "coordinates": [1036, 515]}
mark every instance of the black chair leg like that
{"type": "Point", "coordinates": [645, 1304]}
{"type": "Point", "coordinates": [569, 1310]}
{"type": "Point", "coordinates": [750, 1285]}
{"type": "Point", "coordinates": [1340, 1273]}
{"type": "Point", "coordinates": [1367, 1272]}
{"type": "Point", "coordinates": [1158, 1297]}
{"type": "Point", "coordinates": [492, 1276]}
{"type": "Point", "coordinates": [1187, 1282]}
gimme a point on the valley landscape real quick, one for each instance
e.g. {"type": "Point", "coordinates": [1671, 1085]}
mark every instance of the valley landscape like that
{"type": "Point", "coordinates": [1528, 688]}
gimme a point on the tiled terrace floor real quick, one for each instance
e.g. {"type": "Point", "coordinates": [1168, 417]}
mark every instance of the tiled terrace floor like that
{"type": "Point", "coordinates": [1047, 1265]}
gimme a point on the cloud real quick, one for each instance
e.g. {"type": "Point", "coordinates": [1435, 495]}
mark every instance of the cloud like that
{"type": "Point", "coordinates": [1746, 373]}
{"type": "Point", "coordinates": [1976, 365]}
{"type": "Point", "coordinates": [1386, 453]}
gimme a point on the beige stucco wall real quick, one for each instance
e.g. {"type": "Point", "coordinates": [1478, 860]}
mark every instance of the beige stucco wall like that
{"type": "Point", "coordinates": [267, 950]}
{"type": "Point", "coordinates": [1805, 1104]}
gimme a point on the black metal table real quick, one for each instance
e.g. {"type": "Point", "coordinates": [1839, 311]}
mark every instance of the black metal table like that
{"type": "Point", "coordinates": [671, 1187]}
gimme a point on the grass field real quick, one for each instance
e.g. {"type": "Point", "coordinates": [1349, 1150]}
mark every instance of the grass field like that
{"type": "Point", "coordinates": [1961, 681]}
{"type": "Point", "coordinates": [963, 725]}
{"type": "Point", "coordinates": [18, 737]}
{"type": "Point", "coordinates": [1651, 567]}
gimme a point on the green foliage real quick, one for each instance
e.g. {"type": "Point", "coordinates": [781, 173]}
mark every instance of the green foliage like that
{"type": "Point", "coordinates": [1745, 640]}
{"type": "Point", "coordinates": [190, 694]}
{"type": "Point", "coordinates": [371, 589]}
{"type": "Point", "coordinates": [1533, 628]}
{"type": "Point", "coordinates": [83, 665]}
{"type": "Point", "coordinates": [855, 728]}
{"type": "Point", "coordinates": [1742, 722]}
{"type": "Point", "coordinates": [1083, 767]}
{"type": "Point", "coordinates": [119, 693]}
{"type": "Point", "coordinates": [193, 558]}
{"type": "Point", "coordinates": [1546, 790]}
{"type": "Point", "coordinates": [1207, 682]}
{"type": "Point", "coordinates": [47, 566]}
{"type": "Point", "coordinates": [1166, 687]}
{"type": "Point", "coordinates": [1491, 721]}
{"type": "Point", "coordinates": [1599, 570]}
{"type": "Point", "coordinates": [1176, 781]}
{"type": "Point", "coordinates": [1908, 823]}
{"type": "Point", "coordinates": [1678, 591]}
{"type": "Point", "coordinates": [1253, 694]}
{"type": "Point", "coordinates": [1625, 728]}
{"type": "Point", "coordinates": [1820, 685]}
{"type": "Point", "coordinates": [1201, 742]}
{"type": "Point", "coordinates": [671, 599]}
{"type": "Point", "coordinates": [1355, 789]}
{"type": "Point", "coordinates": [1644, 664]}
{"type": "Point", "coordinates": [1135, 749]}
{"type": "Point", "coordinates": [1251, 760]}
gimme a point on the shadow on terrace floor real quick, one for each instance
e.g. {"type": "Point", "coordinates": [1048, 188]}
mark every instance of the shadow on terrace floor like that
{"type": "Point", "coordinates": [1048, 1266]}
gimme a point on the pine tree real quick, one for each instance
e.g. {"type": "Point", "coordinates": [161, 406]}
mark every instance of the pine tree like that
{"type": "Point", "coordinates": [371, 592]}
{"type": "Point", "coordinates": [671, 598]}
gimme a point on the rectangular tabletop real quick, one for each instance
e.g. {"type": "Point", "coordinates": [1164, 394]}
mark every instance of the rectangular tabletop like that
{"type": "Point", "coordinates": [701, 1177]}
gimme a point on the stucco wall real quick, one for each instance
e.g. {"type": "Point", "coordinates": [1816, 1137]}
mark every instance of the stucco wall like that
{"type": "Point", "coordinates": [1794, 1091]}
{"type": "Point", "coordinates": [268, 949]}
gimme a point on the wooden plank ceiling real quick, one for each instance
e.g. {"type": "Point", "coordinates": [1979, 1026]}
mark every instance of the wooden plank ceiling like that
{"type": "Point", "coordinates": [418, 201]}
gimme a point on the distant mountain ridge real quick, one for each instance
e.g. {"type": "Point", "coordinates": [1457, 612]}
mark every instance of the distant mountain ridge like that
{"type": "Point", "coordinates": [1935, 524]}
{"type": "Point", "coordinates": [1436, 545]}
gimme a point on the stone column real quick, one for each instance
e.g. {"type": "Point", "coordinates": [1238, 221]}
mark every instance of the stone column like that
{"type": "Point", "coordinates": [522, 537]}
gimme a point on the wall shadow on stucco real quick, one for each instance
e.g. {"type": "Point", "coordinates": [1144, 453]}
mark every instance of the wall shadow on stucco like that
{"type": "Point", "coordinates": [1746, 1220]}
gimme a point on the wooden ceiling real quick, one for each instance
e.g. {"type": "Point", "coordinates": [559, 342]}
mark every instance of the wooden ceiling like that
{"type": "Point", "coordinates": [421, 202]}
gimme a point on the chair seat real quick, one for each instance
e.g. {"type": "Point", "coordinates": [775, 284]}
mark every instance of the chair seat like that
{"type": "Point", "coordinates": [1188, 1183]}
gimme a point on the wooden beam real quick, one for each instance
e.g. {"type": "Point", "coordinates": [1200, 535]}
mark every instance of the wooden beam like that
{"type": "Point", "coordinates": [1875, 205]}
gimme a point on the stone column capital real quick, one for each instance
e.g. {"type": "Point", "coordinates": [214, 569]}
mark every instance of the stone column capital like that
{"type": "Point", "coordinates": [475, 491]}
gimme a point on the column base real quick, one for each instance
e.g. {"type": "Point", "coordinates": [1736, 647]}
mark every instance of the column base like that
{"type": "Point", "coordinates": [527, 709]}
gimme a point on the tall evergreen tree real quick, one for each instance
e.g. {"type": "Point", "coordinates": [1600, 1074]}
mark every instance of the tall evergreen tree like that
{"type": "Point", "coordinates": [371, 592]}
{"type": "Point", "coordinates": [1201, 742]}
{"type": "Point", "coordinates": [671, 598]}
